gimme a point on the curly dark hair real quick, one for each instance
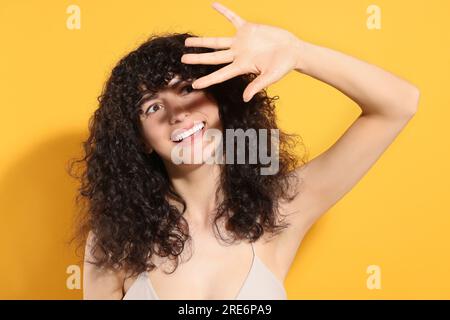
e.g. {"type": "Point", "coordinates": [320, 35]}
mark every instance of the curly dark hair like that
{"type": "Point", "coordinates": [122, 198]}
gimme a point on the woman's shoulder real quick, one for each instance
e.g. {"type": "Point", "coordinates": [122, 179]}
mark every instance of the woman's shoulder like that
{"type": "Point", "coordinates": [98, 282]}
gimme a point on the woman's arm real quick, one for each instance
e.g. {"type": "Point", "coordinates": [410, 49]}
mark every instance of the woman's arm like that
{"type": "Point", "coordinates": [387, 102]}
{"type": "Point", "coordinates": [99, 284]}
{"type": "Point", "coordinates": [375, 90]}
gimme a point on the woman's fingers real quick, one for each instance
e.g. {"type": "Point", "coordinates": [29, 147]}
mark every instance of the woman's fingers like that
{"type": "Point", "coordinates": [209, 42]}
{"type": "Point", "coordinates": [260, 82]}
{"type": "Point", "coordinates": [221, 75]}
{"type": "Point", "coordinates": [216, 57]}
{"type": "Point", "coordinates": [230, 15]}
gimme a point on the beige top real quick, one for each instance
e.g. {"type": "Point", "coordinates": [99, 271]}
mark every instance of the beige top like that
{"type": "Point", "coordinates": [260, 284]}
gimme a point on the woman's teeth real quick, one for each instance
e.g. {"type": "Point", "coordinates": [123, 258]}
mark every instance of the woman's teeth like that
{"type": "Point", "coordinates": [189, 132]}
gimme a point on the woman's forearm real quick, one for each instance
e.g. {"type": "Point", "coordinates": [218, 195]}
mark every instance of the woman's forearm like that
{"type": "Point", "coordinates": [375, 90]}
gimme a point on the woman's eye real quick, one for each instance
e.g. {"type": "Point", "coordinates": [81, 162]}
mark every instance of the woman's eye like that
{"type": "Point", "coordinates": [153, 108]}
{"type": "Point", "coordinates": [188, 87]}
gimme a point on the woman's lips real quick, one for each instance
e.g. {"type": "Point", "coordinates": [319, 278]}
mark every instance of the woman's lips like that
{"type": "Point", "coordinates": [180, 131]}
{"type": "Point", "coordinates": [193, 138]}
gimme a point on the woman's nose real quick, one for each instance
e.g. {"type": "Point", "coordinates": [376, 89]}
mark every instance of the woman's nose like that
{"type": "Point", "coordinates": [177, 113]}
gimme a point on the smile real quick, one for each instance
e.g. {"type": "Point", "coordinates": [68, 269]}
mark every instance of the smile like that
{"type": "Point", "coordinates": [187, 133]}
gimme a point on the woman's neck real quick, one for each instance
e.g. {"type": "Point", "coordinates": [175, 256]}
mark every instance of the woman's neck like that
{"type": "Point", "coordinates": [197, 185]}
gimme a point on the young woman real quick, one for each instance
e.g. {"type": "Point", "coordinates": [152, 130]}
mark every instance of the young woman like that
{"type": "Point", "coordinates": [160, 230]}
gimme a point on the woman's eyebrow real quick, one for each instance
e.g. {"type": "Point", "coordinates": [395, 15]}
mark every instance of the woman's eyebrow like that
{"type": "Point", "coordinates": [148, 95]}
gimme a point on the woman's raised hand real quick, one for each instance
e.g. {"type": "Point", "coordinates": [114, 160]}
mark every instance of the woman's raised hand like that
{"type": "Point", "coordinates": [267, 51]}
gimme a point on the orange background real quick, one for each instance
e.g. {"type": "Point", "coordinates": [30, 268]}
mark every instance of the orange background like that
{"type": "Point", "coordinates": [396, 217]}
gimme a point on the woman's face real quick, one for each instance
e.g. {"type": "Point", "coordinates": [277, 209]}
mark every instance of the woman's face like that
{"type": "Point", "coordinates": [174, 110]}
